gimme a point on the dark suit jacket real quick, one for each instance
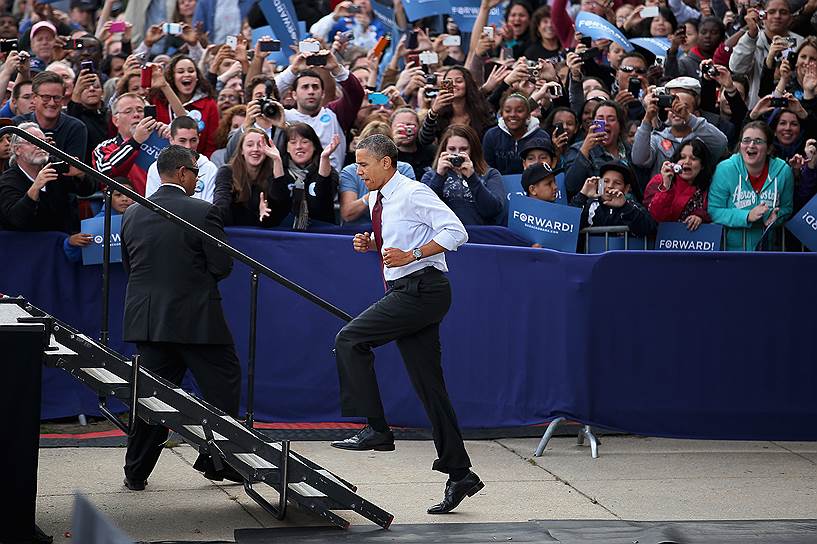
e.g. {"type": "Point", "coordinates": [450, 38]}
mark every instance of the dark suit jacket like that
{"type": "Point", "coordinates": [173, 276]}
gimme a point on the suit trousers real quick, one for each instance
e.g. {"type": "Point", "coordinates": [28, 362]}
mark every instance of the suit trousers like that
{"type": "Point", "coordinates": [409, 313]}
{"type": "Point", "coordinates": [218, 375]}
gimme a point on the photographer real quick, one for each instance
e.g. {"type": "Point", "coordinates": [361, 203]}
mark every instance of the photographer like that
{"type": "Point", "coordinates": [463, 180]}
{"type": "Point", "coordinates": [33, 195]}
{"type": "Point", "coordinates": [797, 69]}
{"type": "Point", "coordinates": [615, 206]}
{"type": "Point", "coordinates": [87, 106]}
{"type": "Point", "coordinates": [264, 112]}
{"type": "Point", "coordinates": [634, 66]}
{"type": "Point", "coordinates": [405, 128]}
{"type": "Point", "coordinates": [652, 147]}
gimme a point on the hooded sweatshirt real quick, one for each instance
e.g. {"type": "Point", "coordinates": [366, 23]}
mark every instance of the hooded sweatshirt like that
{"type": "Point", "coordinates": [502, 150]}
{"type": "Point", "coordinates": [732, 197]}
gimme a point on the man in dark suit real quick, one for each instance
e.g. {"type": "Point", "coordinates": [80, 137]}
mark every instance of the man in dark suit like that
{"type": "Point", "coordinates": [173, 306]}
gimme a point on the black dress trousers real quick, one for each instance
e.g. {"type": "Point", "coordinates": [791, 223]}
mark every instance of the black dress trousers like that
{"type": "Point", "coordinates": [409, 313]}
{"type": "Point", "coordinates": [218, 374]}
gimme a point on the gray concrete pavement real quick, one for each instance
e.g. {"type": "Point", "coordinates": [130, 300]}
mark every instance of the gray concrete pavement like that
{"type": "Point", "coordinates": [634, 478]}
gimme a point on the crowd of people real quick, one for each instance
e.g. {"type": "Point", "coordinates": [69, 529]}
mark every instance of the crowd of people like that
{"type": "Point", "coordinates": [720, 129]}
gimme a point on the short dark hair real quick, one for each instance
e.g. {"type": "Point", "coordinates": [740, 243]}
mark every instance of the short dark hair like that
{"type": "Point", "coordinates": [380, 146]}
{"type": "Point", "coordinates": [306, 73]}
{"type": "Point", "coordinates": [633, 56]}
{"type": "Point", "coordinates": [183, 122]}
{"type": "Point", "coordinates": [18, 88]}
{"type": "Point", "coordinates": [46, 77]}
{"type": "Point", "coordinates": [174, 157]}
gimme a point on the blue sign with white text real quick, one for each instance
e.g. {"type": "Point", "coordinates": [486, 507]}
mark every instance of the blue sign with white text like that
{"type": "Point", "coordinates": [418, 9]}
{"type": "Point", "coordinates": [283, 22]}
{"type": "Point", "coordinates": [550, 225]}
{"type": "Point", "coordinates": [464, 13]}
{"type": "Point", "coordinates": [513, 186]}
{"type": "Point", "coordinates": [677, 237]}
{"type": "Point", "coordinates": [804, 224]}
{"type": "Point", "coordinates": [150, 150]}
{"type": "Point", "coordinates": [656, 46]}
{"type": "Point", "coordinates": [95, 226]}
{"type": "Point", "coordinates": [599, 28]}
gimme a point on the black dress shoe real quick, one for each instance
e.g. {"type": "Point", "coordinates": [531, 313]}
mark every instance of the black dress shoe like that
{"type": "Point", "coordinates": [367, 439]}
{"type": "Point", "coordinates": [455, 492]}
{"type": "Point", "coordinates": [135, 485]}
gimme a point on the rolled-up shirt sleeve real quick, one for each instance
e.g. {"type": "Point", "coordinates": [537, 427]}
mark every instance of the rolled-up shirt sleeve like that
{"type": "Point", "coordinates": [448, 230]}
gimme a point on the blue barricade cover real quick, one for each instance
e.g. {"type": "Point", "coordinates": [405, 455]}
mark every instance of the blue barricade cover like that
{"type": "Point", "coordinates": [677, 348]}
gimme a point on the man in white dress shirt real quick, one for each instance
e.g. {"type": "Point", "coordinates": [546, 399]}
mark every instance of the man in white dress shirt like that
{"type": "Point", "coordinates": [412, 228]}
{"type": "Point", "coordinates": [184, 131]}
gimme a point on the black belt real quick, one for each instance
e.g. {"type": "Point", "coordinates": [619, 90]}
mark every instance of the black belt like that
{"type": "Point", "coordinates": [421, 272]}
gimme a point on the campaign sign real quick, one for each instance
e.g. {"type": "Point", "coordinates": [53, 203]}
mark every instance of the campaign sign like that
{"type": "Point", "coordinates": [150, 150]}
{"type": "Point", "coordinates": [464, 13]}
{"type": "Point", "coordinates": [418, 9]}
{"type": "Point", "coordinates": [551, 225]}
{"type": "Point", "coordinates": [804, 224]}
{"type": "Point", "coordinates": [95, 226]}
{"type": "Point", "coordinates": [513, 186]}
{"type": "Point", "coordinates": [283, 22]}
{"type": "Point", "coordinates": [599, 28]}
{"type": "Point", "coordinates": [677, 237]}
{"type": "Point", "coordinates": [656, 46]}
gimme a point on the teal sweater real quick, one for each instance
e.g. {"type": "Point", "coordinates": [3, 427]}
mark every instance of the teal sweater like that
{"type": "Point", "coordinates": [731, 198]}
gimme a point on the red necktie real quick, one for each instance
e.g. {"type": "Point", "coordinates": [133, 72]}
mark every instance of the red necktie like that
{"type": "Point", "coordinates": [377, 228]}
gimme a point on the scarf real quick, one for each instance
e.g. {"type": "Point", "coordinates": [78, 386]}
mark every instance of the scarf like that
{"type": "Point", "coordinates": [299, 205]}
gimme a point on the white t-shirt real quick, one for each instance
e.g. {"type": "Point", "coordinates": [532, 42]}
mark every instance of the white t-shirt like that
{"type": "Point", "coordinates": [326, 125]}
{"type": "Point", "coordinates": [205, 186]}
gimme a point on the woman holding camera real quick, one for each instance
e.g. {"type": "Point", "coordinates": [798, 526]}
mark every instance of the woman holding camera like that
{"type": "Point", "coordinates": [516, 126]}
{"type": "Point", "coordinates": [795, 65]}
{"type": "Point", "coordinates": [751, 191]}
{"type": "Point", "coordinates": [679, 191]}
{"type": "Point", "coordinates": [463, 180]}
{"type": "Point", "coordinates": [459, 102]}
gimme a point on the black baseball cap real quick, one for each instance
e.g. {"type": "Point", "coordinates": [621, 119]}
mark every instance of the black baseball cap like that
{"type": "Point", "coordinates": [535, 173]}
{"type": "Point", "coordinates": [536, 143]}
{"type": "Point", "coordinates": [622, 168]}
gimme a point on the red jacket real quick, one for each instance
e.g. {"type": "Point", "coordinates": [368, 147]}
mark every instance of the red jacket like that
{"type": "Point", "coordinates": [667, 206]}
{"type": "Point", "coordinates": [208, 109]}
{"type": "Point", "coordinates": [117, 157]}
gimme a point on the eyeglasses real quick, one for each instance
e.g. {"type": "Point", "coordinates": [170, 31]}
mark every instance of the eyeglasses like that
{"type": "Point", "coordinates": [750, 141]}
{"type": "Point", "coordinates": [193, 169]}
{"type": "Point", "coordinates": [49, 98]}
{"type": "Point", "coordinates": [131, 111]}
{"type": "Point", "coordinates": [629, 69]}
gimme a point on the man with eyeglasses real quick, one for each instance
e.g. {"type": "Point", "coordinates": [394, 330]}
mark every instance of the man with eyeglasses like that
{"type": "Point", "coordinates": [118, 155]}
{"type": "Point", "coordinates": [173, 307]}
{"type": "Point", "coordinates": [68, 133]}
{"type": "Point", "coordinates": [632, 65]}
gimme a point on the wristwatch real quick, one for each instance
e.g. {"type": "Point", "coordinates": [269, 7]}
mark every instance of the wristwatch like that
{"type": "Point", "coordinates": [418, 253]}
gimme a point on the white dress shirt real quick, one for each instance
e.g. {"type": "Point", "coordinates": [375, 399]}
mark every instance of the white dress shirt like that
{"type": "Point", "coordinates": [412, 216]}
{"type": "Point", "coordinates": [205, 186]}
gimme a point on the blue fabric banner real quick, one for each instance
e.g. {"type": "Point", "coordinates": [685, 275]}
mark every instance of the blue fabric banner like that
{"type": "Point", "coordinates": [92, 254]}
{"type": "Point", "coordinates": [151, 149]}
{"type": "Point", "coordinates": [550, 225]}
{"type": "Point", "coordinates": [599, 28]}
{"type": "Point", "coordinates": [283, 22]}
{"type": "Point", "coordinates": [418, 9]}
{"type": "Point", "coordinates": [464, 13]}
{"type": "Point", "coordinates": [677, 237]}
{"type": "Point", "coordinates": [656, 46]}
{"type": "Point", "coordinates": [804, 224]}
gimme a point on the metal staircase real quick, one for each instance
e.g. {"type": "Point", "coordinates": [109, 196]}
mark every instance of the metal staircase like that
{"type": "Point", "coordinates": [259, 460]}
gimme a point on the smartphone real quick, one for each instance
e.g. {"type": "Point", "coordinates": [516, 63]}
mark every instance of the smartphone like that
{"type": "Point", "coordinates": [87, 65]}
{"type": "Point", "coordinates": [600, 187]}
{"type": "Point", "coordinates": [73, 44]}
{"type": "Point", "coordinates": [147, 76]}
{"type": "Point", "coordinates": [634, 86]}
{"type": "Point", "coordinates": [779, 102]}
{"type": "Point", "coordinates": [309, 47]}
{"type": "Point", "coordinates": [413, 58]}
{"type": "Point", "coordinates": [507, 53]}
{"type": "Point", "coordinates": [649, 11]}
{"type": "Point", "coordinates": [59, 165]}
{"type": "Point", "coordinates": [559, 129]}
{"type": "Point", "coordinates": [150, 111]}
{"type": "Point", "coordinates": [452, 41]}
{"type": "Point", "coordinates": [347, 36]}
{"type": "Point", "coordinates": [353, 9]}
{"type": "Point", "coordinates": [6, 46]}
{"type": "Point", "coordinates": [447, 85]}
{"type": "Point", "coordinates": [117, 26]}
{"type": "Point", "coordinates": [429, 57]}
{"type": "Point", "coordinates": [316, 60]}
{"type": "Point", "coordinates": [488, 31]}
{"type": "Point", "coordinates": [412, 41]}
{"type": "Point", "coordinates": [600, 125]}
{"type": "Point", "coordinates": [378, 99]}
{"type": "Point", "coordinates": [587, 41]}
{"type": "Point", "coordinates": [231, 42]}
{"type": "Point", "coordinates": [381, 45]}
{"type": "Point", "coordinates": [269, 45]}
{"type": "Point", "coordinates": [174, 29]}
{"type": "Point", "coordinates": [792, 58]}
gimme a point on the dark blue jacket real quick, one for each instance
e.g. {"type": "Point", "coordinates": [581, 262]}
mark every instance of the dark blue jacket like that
{"type": "Point", "coordinates": [502, 150]}
{"type": "Point", "coordinates": [476, 200]}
